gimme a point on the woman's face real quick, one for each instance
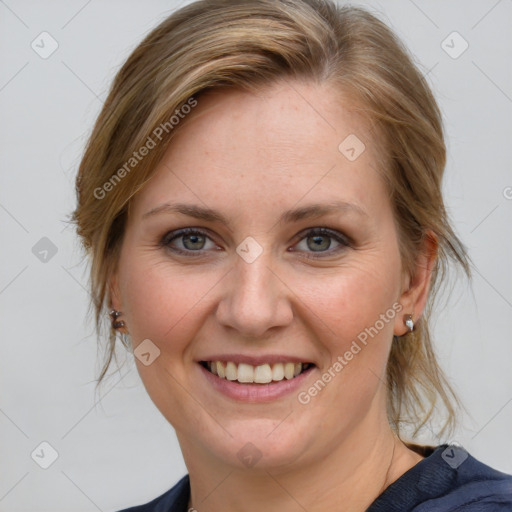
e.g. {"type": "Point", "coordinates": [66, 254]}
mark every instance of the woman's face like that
{"type": "Point", "coordinates": [290, 255]}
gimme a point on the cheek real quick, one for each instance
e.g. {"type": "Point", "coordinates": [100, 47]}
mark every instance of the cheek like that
{"type": "Point", "coordinates": [354, 299]}
{"type": "Point", "coordinates": [353, 317]}
{"type": "Point", "coordinates": [161, 302]}
{"type": "Point", "coordinates": [167, 307]}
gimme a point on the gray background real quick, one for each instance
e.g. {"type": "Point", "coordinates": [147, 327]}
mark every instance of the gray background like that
{"type": "Point", "coordinates": [115, 449]}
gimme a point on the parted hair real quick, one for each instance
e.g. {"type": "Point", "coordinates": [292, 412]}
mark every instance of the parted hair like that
{"type": "Point", "coordinates": [250, 44]}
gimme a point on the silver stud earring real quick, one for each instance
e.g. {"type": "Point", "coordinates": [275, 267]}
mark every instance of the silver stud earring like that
{"type": "Point", "coordinates": [114, 315]}
{"type": "Point", "coordinates": [409, 322]}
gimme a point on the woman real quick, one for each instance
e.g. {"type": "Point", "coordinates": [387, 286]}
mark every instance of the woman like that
{"type": "Point", "coordinates": [261, 200]}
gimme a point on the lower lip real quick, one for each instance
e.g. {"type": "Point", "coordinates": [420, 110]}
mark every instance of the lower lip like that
{"type": "Point", "coordinates": [255, 392]}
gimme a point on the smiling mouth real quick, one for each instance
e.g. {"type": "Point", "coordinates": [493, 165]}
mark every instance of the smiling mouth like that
{"type": "Point", "coordinates": [261, 374]}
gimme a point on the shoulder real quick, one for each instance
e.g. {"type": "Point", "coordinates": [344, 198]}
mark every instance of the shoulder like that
{"type": "Point", "coordinates": [448, 480]}
{"type": "Point", "coordinates": [174, 500]}
{"type": "Point", "coordinates": [468, 482]}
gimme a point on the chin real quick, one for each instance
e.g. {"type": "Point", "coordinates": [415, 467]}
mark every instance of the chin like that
{"type": "Point", "coordinates": [260, 445]}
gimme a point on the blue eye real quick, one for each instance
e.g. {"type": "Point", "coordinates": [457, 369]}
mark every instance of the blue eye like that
{"type": "Point", "coordinates": [188, 240]}
{"type": "Point", "coordinates": [322, 240]}
{"type": "Point", "coordinates": [315, 243]}
{"type": "Point", "coordinates": [192, 242]}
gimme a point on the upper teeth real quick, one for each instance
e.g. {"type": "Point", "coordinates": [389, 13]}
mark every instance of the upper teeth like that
{"type": "Point", "coordinates": [262, 374]}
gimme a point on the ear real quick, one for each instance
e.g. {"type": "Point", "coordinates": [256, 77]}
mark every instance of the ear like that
{"type": "Point", "coordinates": [114, 299]}
{"type": "Point", "coordinates": [114, 292]}
{"type": "Point", "coordinates": [416, 287]}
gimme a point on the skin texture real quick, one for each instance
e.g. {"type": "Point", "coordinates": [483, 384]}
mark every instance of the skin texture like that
{"type": "Point", "coordinates": [252, 157]}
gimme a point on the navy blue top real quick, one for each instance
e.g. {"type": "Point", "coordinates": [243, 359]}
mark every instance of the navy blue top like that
{"type": "Point", "coordinates": [448, 479]}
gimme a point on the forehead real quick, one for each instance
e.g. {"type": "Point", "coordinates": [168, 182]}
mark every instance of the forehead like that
{"type": "Point", "coordinates": [289, 141]}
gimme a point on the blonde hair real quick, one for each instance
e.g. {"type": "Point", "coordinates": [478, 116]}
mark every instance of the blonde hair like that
{"type": "Point", "coordinates": [249, 44]}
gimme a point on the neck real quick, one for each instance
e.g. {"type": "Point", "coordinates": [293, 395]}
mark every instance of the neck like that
{"type": "Point", "coordinates": [347, 477]}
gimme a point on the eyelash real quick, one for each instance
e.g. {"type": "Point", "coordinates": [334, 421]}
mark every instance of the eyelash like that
{"type": "Point", "coordinates": [344, 241]}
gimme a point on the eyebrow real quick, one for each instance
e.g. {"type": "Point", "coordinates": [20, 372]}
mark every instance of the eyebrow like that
{"type": "Point", "coordinates": [306, 212]}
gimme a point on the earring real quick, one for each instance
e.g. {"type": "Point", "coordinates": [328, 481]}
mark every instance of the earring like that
{"type": "Point", "coordinates": [114, 315]}
{"type": "Point", "coordinates": [409, 322]}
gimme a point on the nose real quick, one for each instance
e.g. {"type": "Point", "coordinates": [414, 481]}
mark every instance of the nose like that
{"type": "Point", "coordinates": [255, 299]}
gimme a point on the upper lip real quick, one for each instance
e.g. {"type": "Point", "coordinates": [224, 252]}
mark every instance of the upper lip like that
{"type": "Point", "coordinates": [256, 360]}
